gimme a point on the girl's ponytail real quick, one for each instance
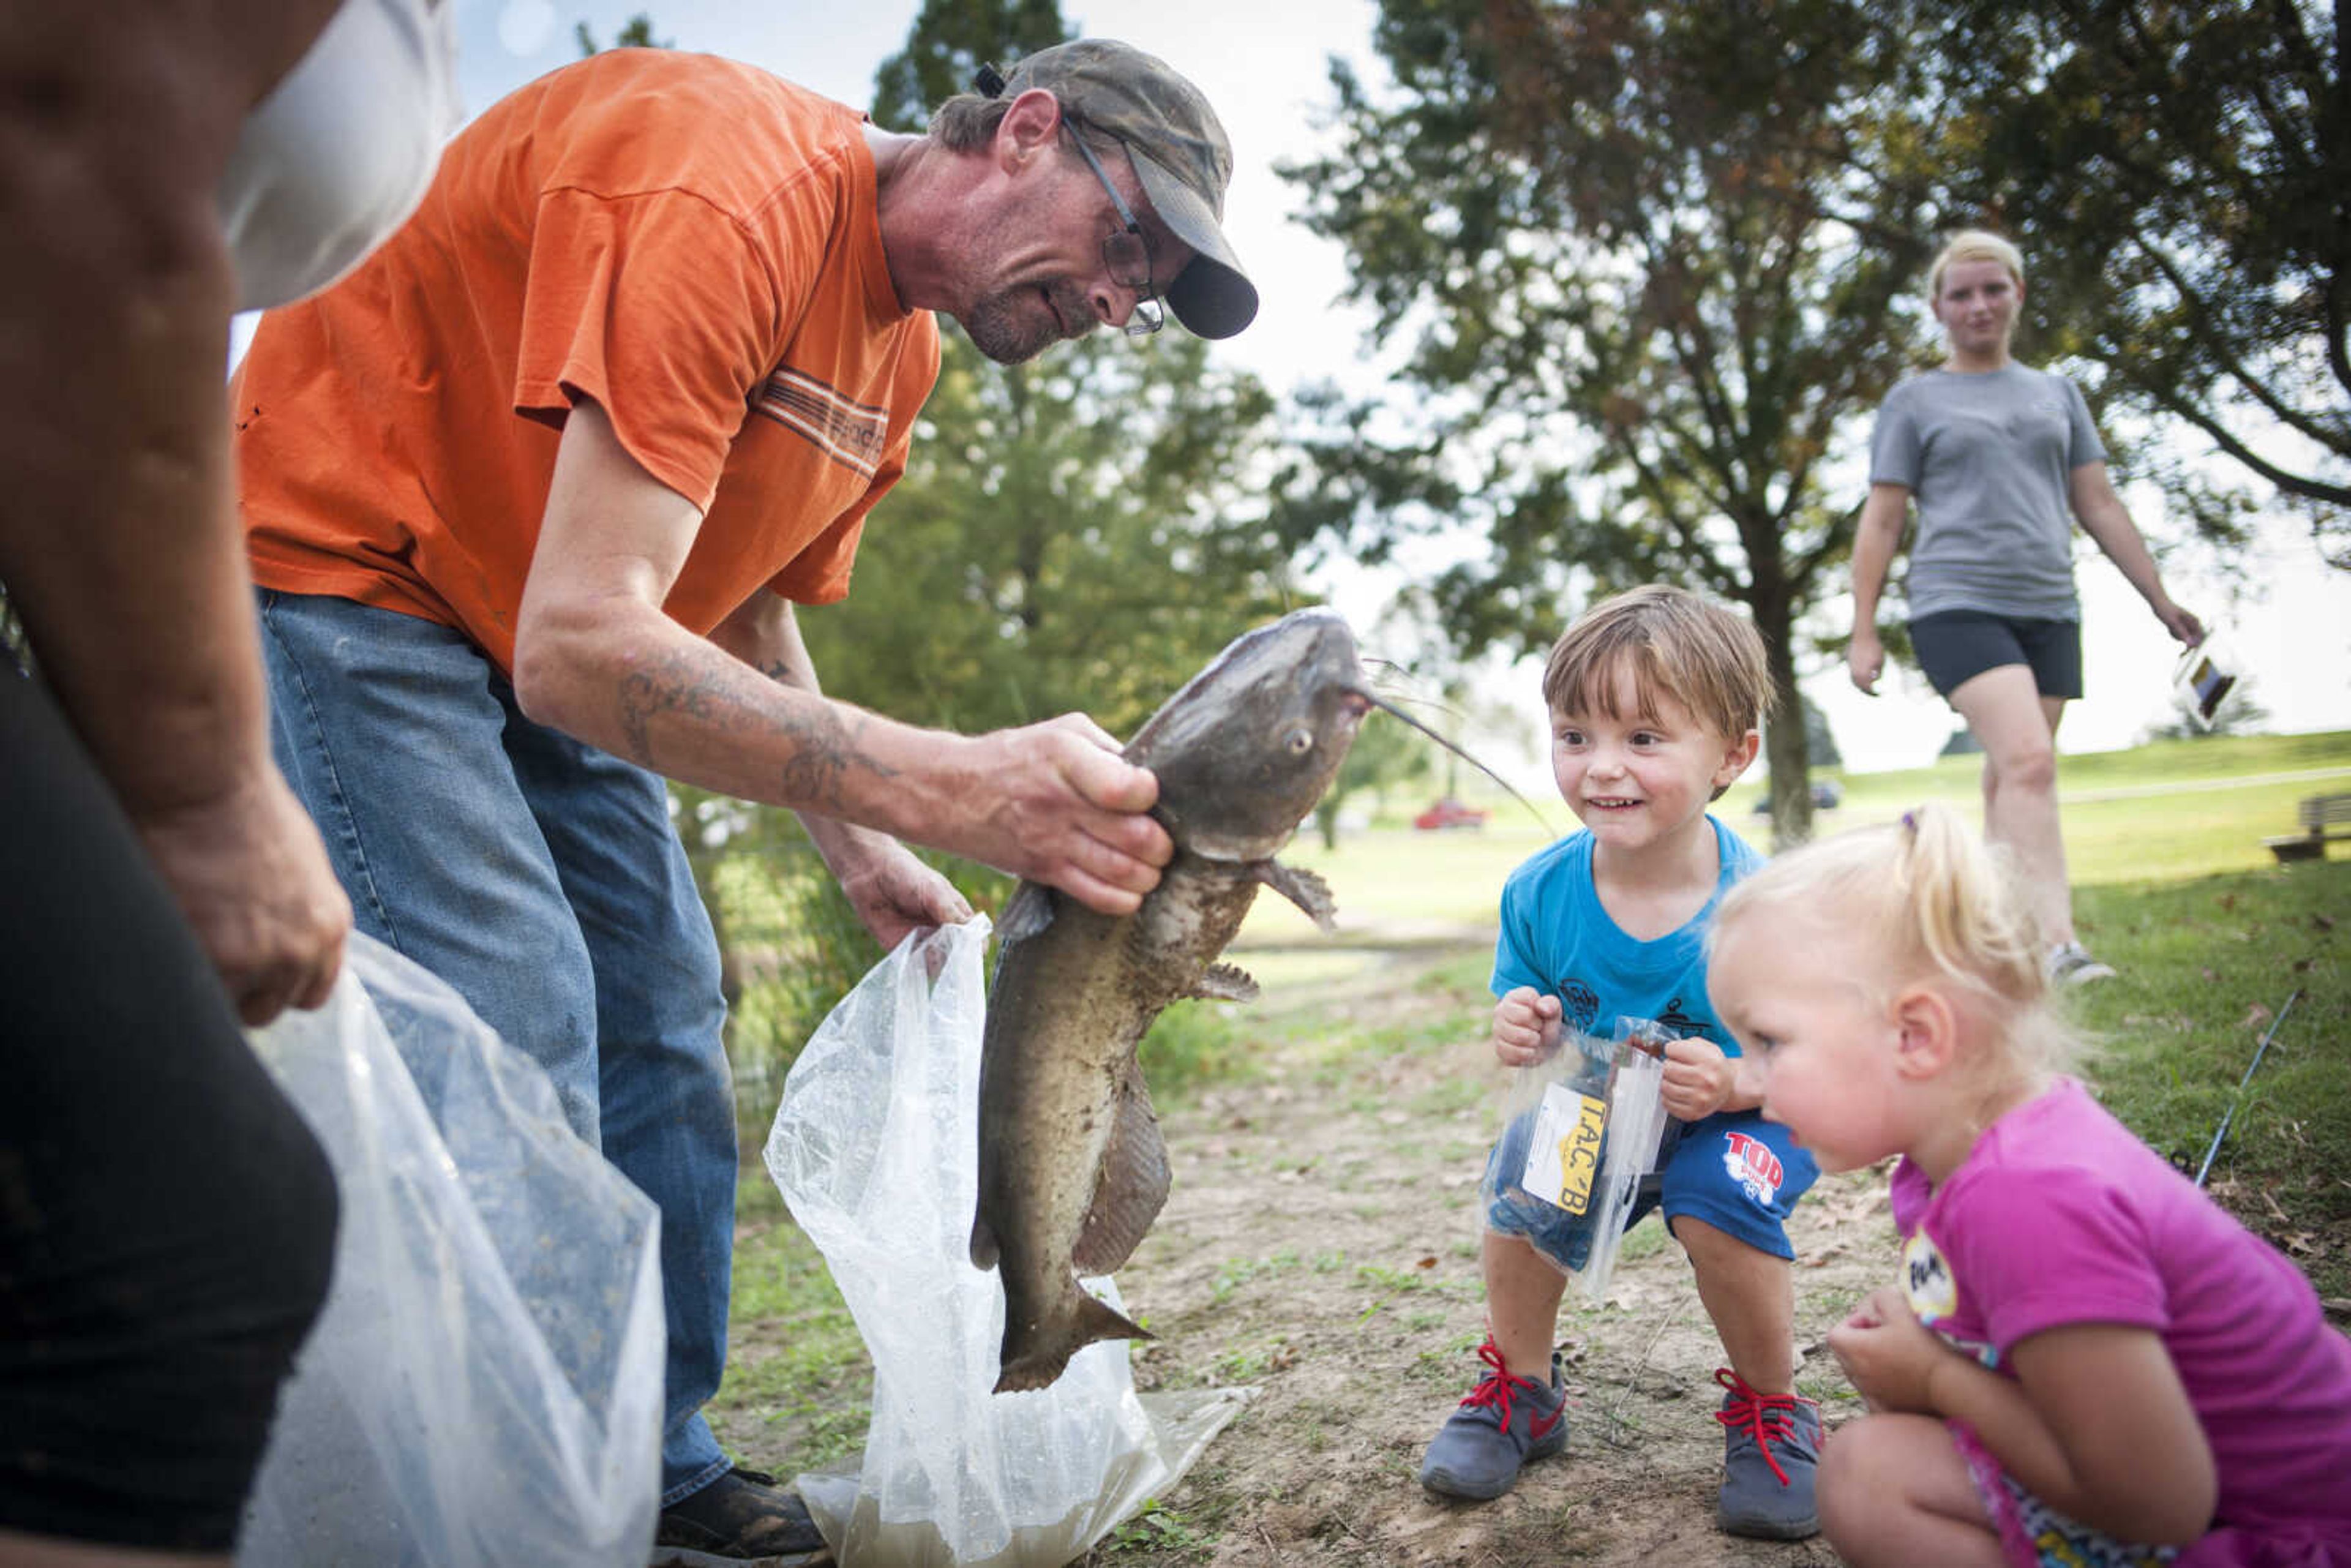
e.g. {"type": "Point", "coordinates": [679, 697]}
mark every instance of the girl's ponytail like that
{"type": "Point", "coordinates": [1928, 897]}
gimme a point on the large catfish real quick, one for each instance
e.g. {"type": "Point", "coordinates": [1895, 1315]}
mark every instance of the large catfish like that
{"type": "Point", "coordinates": [1072, 1166]}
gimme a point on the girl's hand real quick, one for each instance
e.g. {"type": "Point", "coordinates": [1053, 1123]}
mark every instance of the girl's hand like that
{"type": "Point", "coordinates": [1888, 1354]}
{"type": "Point", "coordinates": [1526, 1026]}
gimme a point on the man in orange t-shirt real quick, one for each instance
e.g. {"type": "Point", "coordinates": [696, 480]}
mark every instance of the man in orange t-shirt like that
{"type": "Point", "coordinates": [529, 497]}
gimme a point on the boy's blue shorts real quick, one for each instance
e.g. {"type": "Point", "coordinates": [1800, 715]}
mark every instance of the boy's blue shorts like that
{"type": "Point", "coordinates": [1734, 1170]}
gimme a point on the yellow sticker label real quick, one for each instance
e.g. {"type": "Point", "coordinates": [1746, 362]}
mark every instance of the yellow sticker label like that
{"type": "Point", "coordinates": [1579, 1154]}
{"type": "Point", "coordinates": [1563, 1158]}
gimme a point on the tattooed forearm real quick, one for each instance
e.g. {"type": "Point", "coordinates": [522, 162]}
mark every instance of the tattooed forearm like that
{"type": "Point", "coordinates": [824, 750]}
{"type": "Point", "coordinates": [821, 740]}
{"type": "Point", "coordinates": [674, 682]}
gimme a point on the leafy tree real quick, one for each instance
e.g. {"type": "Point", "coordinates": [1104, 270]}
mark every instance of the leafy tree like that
{"type": "Point", "coordinates": [636, 33]}
{"type": "Point", "coordinates": [2178, 174]}
{"type": "Point", "coordinates": [1649, 306]}
{"type": "Point", "coordinates": [948, 43]}
{"type": "Point", "coordinates": [1080, 533]}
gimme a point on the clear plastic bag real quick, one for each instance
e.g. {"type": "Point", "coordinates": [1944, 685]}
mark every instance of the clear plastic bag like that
{"type": "Point", "coordinates": [484, 1387]}
{"type": "Point", "coordinates": [1583, 1127]}
{"type": "Point", "coordinates": [875, 1148]}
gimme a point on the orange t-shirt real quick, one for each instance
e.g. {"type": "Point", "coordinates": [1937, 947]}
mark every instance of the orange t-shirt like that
{"type": "Point", "coordinates": [693, 244]}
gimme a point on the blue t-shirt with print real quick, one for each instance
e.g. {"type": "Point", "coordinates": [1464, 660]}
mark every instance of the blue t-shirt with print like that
{"type": "Point", "coordinates": [1557, 939]}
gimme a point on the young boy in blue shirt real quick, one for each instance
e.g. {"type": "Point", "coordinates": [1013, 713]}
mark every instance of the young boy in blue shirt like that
{"type": "Point", "coordinates": [1656, 698]}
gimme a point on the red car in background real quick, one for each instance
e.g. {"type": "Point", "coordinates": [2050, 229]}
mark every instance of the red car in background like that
{"type": "Point", "coordinates": [1451, 813]}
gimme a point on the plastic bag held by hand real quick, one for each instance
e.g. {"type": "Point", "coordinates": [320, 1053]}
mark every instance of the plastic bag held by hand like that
{"type": "Point", "coordinates": [484, 1387]}
{"type": "Point", "coordinates": [1583, 1127]}
{"type": "Point", "coordinates": [876, 1150]}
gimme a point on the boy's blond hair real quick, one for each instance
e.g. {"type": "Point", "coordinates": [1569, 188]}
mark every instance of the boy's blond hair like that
{"type": "Point", "coordinates": [1928, 899]}
{"type": "Point", "coordinates": [1974, 244]}
{"type": "Point", "coordinates": [1673, 642]}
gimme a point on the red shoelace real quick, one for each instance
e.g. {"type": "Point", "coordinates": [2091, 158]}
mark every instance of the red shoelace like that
{"type": "Point", "coordinates": [1769, 1418]}
{"type": "Point", "coordinates": [1499, 1387]}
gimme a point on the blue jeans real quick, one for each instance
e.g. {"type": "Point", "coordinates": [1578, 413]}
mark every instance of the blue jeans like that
{"type": "Point", "coordinates": [542, 879]}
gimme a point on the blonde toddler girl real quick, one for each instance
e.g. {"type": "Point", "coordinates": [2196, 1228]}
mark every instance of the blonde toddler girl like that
{"type": "Point", "coordinates": [2087, 1361]}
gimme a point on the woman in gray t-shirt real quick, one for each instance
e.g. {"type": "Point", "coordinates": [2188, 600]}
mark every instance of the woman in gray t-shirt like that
{"type": "Point", "coordinates": [2003, 460]}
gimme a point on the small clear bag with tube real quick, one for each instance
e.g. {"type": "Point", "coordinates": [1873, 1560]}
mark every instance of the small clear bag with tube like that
{"type": "Point", "coordinates": [1583, 1127]}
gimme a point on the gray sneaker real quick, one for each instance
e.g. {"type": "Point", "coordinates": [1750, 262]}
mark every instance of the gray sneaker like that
{"type": "Point", "coordinates": [1770, 1450]}
{"type": "Point", "coordinates": [1505, 1422]}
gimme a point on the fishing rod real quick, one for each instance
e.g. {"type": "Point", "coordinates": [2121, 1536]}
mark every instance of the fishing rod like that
{"type": "Point", "coordinates": [2205, 1169]}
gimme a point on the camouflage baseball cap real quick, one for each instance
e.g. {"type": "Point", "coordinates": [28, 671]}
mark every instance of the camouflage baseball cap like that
{"type": "Point", "coordinates": [1180, 155]}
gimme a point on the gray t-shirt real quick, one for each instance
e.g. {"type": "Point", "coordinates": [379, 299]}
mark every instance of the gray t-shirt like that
{"type": "Point", "coordinates": [1987, 454]}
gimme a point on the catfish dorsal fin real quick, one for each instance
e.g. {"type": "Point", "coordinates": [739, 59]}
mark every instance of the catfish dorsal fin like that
{"type": "Point", "coordinates": [1302, 888]}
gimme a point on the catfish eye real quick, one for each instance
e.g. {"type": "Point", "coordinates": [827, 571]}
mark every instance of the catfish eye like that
{"type": "Point", "coordinates": [1298, 741]}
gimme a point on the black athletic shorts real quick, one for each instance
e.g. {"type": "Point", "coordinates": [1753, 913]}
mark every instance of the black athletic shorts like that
{"type": "Point", "coordinates": [166, 1220]}
{"type": "Point", "coordinates": [1954, 646]}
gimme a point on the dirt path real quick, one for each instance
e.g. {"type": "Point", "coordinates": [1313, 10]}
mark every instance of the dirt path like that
{"type": "Point", "coordinates": [1321, 1243]}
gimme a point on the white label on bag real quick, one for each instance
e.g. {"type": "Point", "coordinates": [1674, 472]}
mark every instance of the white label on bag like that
{"type": "Point", "coordinates": [1564, 1157]}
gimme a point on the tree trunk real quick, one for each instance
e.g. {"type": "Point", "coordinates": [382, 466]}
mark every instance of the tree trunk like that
{"type": "Point", "coordinates": [1785, 750]}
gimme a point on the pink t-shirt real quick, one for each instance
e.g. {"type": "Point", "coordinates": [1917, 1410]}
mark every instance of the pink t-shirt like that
{"type": "Point", "coordinates": [2060, 1215]}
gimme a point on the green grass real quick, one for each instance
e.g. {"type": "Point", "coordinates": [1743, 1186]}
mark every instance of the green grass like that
{"type": "Point", "coordinates": [2207, 964]}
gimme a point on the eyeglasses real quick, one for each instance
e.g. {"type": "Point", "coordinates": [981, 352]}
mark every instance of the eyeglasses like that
{"type": "Point", "coordinates": [1126, 254]}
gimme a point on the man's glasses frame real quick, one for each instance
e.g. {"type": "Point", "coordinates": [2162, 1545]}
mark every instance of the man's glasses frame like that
{"type": "Point", "coordinates": [1126, 253]}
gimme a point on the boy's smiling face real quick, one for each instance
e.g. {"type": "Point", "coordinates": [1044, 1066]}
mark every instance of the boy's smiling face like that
{"type": "Point", "coordinates": [1638, 778]}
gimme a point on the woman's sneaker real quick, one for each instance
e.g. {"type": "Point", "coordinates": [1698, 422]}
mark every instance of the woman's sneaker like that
{"type": "Point", "coordinates": [1771, 1447]}
{"type": "Point", "coordinates": [1505, 1422]}
{"type": "Point", "coordinates": [2070, 964]}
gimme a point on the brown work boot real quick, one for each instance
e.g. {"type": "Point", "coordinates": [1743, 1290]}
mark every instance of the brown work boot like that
{"type": "Point", "coordinates": [742, 1520]}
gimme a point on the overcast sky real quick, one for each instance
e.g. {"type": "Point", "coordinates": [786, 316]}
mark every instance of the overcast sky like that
{"type": "Point", "coordinates": [1263, 64]}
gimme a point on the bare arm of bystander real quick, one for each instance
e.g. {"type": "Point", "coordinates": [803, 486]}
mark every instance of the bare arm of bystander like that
{"type": "Point", "coordinates": [2104, 518]}
{"type": "Point", "coordinates": [120, 543]}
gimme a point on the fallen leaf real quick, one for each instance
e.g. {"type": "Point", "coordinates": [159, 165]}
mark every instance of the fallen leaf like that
{"type": "Point", "coordinates": [2208, 976]}
{"type": "Point", "coordinates": [2255, 1016]}
{"type": "Point", "coordinates": [2302, 965]}
{"type": "Point", "coordinates": [1428, 1261]}
{"type": "Point", "coordinates": [2228, 901]}
{"type": "Point", "coordinates": [2323, 922]}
